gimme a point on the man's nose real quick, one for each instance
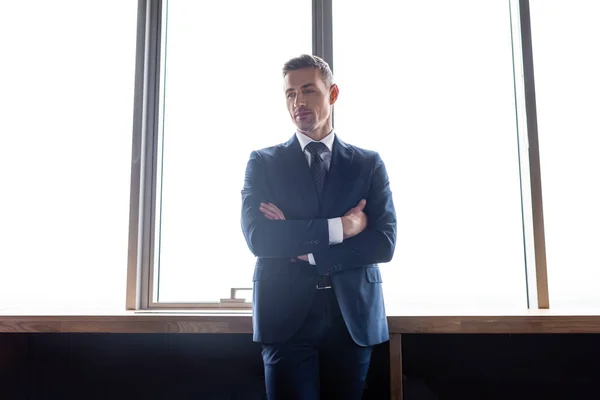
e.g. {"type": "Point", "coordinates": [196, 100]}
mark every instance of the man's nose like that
{"type": "Point", "coordinates": [299, 100]}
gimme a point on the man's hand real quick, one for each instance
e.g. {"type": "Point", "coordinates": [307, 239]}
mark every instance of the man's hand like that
{"type": "Point", "coordinates": [355, 220]}
{"type": "Point", "coordinates": [271, 211]}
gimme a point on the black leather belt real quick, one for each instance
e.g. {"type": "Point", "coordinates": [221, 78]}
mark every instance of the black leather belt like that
{"type": "Point", "coordinates": [324, 282]}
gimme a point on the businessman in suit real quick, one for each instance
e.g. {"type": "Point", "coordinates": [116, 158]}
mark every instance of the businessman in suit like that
{"type": "Point", "coordinates": [318, 215]}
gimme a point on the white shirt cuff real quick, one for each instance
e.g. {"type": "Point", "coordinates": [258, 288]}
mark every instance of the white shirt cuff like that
{"type": "Point", "coordinates": [311, 259]}
{"type": "Point", "coordinates": [336, 230]}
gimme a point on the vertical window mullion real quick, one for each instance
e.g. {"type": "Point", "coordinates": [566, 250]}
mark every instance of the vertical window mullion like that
{"type": "Point", "coordinates": [534, 157]}
{"type": "Point", "coordinates": [144, 155]}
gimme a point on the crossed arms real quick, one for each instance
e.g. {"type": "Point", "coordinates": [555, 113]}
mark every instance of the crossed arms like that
{"type": "Point", "coordinates": [269, 234]}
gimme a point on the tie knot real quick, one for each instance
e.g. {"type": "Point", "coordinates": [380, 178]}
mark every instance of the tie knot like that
{"type": "Point", "coordinates": [316, 148]}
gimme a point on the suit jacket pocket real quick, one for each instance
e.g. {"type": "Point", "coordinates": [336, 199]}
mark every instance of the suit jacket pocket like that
{"type": "Point", "coordinates": [373, 275]}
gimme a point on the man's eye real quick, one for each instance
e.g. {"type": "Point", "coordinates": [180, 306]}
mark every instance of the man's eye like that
{"type": "Point", "coordinates": [290, 95]}
{"type": "Point", "coordinates": [309, 91]}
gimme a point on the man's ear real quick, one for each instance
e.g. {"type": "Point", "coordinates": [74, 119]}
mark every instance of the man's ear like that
{"type": "Point", "coordinates": [334, 91]}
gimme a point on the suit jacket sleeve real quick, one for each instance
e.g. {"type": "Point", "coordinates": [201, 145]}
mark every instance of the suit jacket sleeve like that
{"type": "Point", "coordinates": [376, 244]}
{"type": "Point", "coordinates": [269, 238]}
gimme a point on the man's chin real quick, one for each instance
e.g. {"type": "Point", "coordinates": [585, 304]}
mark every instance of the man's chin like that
{"type": "Point", "coordinates": [305, 128]}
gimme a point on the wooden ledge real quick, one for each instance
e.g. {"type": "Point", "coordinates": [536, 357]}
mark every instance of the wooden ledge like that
{"type": "Point", "coordinates": [129, 323]}
{"type": "Point", "coordinates": [534, 321]}
{"type": "Point", "coordinates": [516, 324]}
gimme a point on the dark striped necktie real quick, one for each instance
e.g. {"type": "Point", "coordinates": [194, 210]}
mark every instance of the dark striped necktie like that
{"type": "Point", "coordinates": [318, 169]}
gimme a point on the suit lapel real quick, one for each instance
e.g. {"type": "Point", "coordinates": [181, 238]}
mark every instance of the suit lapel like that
{"type": "Point", "coordinates": [338, 175]}
{"type": "Point", "coordinates": [297, 170]}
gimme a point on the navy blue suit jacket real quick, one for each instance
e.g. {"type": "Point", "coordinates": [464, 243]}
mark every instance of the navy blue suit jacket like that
{"type": "Point", "coordinates": [283, 290]}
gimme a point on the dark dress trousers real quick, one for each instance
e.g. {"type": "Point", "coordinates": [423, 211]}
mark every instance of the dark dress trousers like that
{"type": "Point", "coordinates": [317, 337]}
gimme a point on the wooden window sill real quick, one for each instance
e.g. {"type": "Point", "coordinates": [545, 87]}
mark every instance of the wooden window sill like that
{"type": "Point", "coordinates": [532, 321]}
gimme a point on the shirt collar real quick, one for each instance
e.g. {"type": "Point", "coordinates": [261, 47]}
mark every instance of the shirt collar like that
{"type": "Point", "coordinates": [305, 140]}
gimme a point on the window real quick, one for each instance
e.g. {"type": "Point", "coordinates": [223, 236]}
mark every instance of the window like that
{"type": "Point", "coordinates": [567, 84]}
{"type": "Point", "coordinates": [223, 97]}
{"type": "Point", "coordinates": [432, 90]}
{"type": "Point", "coordinates": [436, 90]}
{"type": "Point", "coordinates": [67, 79]}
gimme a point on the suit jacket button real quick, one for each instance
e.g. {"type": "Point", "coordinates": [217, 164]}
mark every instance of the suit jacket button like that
{"type": "Point", "coordinates": [316, 242]}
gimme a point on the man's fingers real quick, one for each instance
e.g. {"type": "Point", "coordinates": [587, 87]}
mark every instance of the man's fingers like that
{"type": "Point", "coordinates": [268, 213]}
{"type": "Point", "coordinates": [269, 216]}
{"type": "Point", "coordinates": [361, 205]}
{"type": "Point", "coordinates": [272, 209]}
{"type": "Point", "coordinates": [358, 208]}
{"type": "Point", "coordinates": [277, 211]}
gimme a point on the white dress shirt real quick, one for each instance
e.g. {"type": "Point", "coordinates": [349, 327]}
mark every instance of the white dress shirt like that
{"type": "Point", "coordinates": [336, 230]}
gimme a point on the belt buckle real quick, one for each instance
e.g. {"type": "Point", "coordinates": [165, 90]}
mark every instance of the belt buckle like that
{"type": "Point", "coordinates": [322, 287]}
{"type": "Point", "coordinates": [328, 283]}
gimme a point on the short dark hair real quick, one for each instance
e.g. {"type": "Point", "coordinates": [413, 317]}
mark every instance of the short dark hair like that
{"type": "Point", "coordinates": [310, 61]}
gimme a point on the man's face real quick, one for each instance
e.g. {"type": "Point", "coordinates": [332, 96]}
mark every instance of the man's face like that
{"type": "Point", "coordinates": [309, 100]}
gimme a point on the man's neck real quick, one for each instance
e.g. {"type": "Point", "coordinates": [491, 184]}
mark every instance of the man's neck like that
{"type": "Point", "coordinates": [318, 134]}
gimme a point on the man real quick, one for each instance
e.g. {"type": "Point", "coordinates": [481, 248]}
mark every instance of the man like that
{"type": "Point", "coordinates": [318, 215]}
